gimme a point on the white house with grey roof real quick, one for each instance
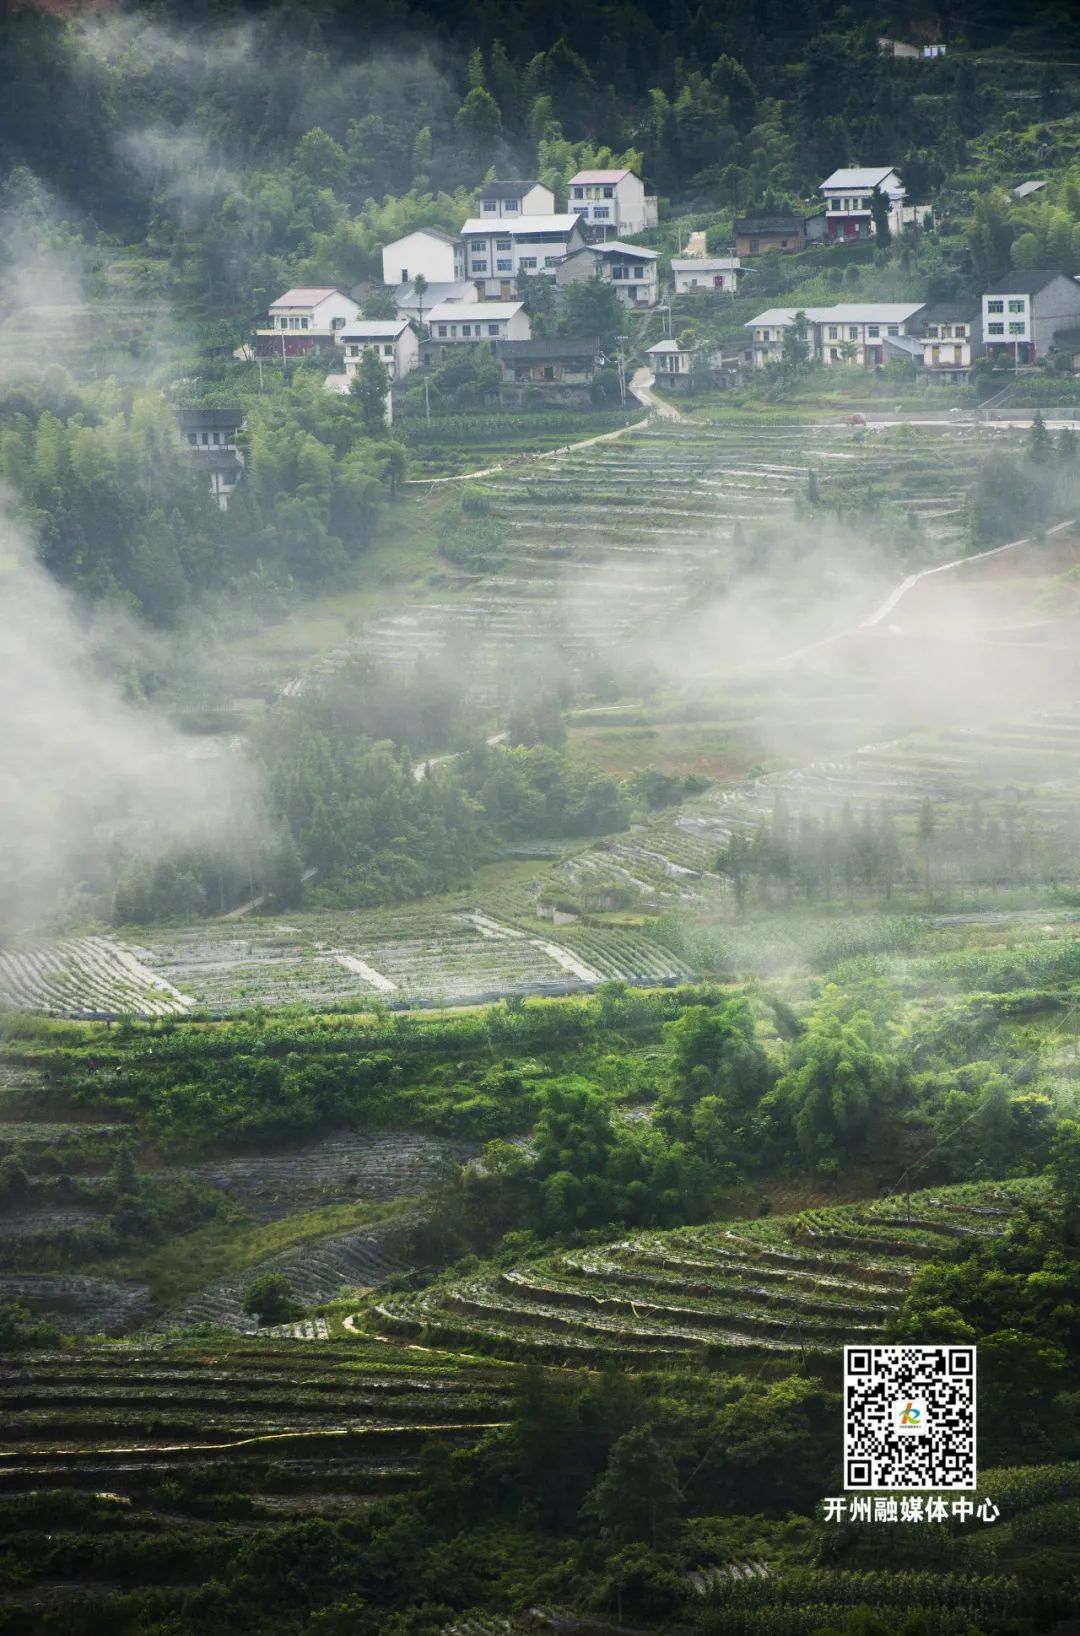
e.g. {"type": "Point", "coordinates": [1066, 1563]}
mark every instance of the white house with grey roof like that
{"type": "Point", "coordinates": [630, 270]}
{"type": "Point", "coordinates": [454, 323]}
{"type": "Point", "coordinates": [854, 333]}
{"type": "Point", "coordinates": [496, 252]}
{"type": "Point", "coordinates": [1024, 309]}
{"type": "Point", "coordinates": [393, 340]}
{"type": "Point", "coordinates": [428, 252]}
{"type": "Point", "coordinates": [848, 193]}
{"type": "Point", "coordinates": [509, 200]}
{"type": "Point", "coordinates": [612, 202]}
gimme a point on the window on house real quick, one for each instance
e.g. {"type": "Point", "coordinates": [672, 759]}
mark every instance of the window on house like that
{"type": "Point", "coordinates": [404, 275]}
{"type": "Point", "coordinates": [834, 333]}
{"type": "Point", "coordinates": [442, 329]}
{"type": "Point", "coordinates": [504, 244]}
{"type": "Point", "coordinates": [873, 331]}
{"type": "Point", "coordinates": [504, 266]}
{"type": "Point", "coordinates": [639, 272]}
{"type": "Point", "coordinates": [479, 266]}
{"type": "Point", "coordinates": [601, 212]}
{"type": "Point", "coordinates": [894, 329]}
{"type": "Point", "coordinates": [995, 306]}
{"type": "Point", "coordinates": [931, 329]}
{"type": "Point", "coordinates": [487, 204]}
{"type": "Point", "coordinates": [549, 373]}
{"type": "Point", "coordinates": [1016, 306]}
{"type": "Point", "coordinates": [204, 439]}
{"type": "Point", "coordinates": [853, 332]}
{"type": "Point", "coordinates": [755, 245]}
{"type": "Point", "coordinates": [388, 351]}
{"type": "Point", "coordinates": [511, 204]}
{"type": "Point", "coordinates": [552, 261]}
{"type": "Point", "coordinates": [493, 329]}
{"type": "Point", "coordinates": [527, 262]}
{"type": "Point", "coordinates": [609, 193]}
{"type": "Point", "coordinates": [1016, 329]}
{"type": "Point", "coordinates": [783, 244]}
{"type": "Point", "coordinates": [193, 439]}
{"type": "Point", "coordinates": [466, 329]}
{"type": "Point", "coordinates": [834, 354]}
{"type": "Point", "coordinates": [579, 193]}
{"type": "Point", "coordinates": [996, 329]}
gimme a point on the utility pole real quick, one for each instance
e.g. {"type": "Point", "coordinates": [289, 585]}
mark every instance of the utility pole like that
{"type": "Point", "coordinates": [427, 399]}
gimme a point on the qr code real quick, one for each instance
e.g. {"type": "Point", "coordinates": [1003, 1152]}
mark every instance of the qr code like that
{"type": "Point", "coordinates": [909, 1417]}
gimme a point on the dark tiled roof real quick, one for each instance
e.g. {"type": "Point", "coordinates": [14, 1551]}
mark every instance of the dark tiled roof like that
{"type": "Point", "coordinates": [216, 459]}
{"type": "Point", "coordinates": [768, 224]}
{"type": "Point", "coordinates": [210, 420]}
{"type": "Point", "coordinates": [949, 312]}
{"type": "Point", "coordinates": [505, 190]}
{"type": "Point", "coordinates": [1028, 281]}
{"type": "Point", "coordinates": [544, 349]}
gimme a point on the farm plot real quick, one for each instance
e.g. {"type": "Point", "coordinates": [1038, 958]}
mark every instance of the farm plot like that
{"type": "Point", "coordinates": [321, 1425]}
{"type": "Point", "coordinates": [79, 1303]}
{"type": "Point", "coordinates": [811, 1281]}
{"type": "Point", "coordinates": [317, 1271]}
{"type": "Point", "coordinates": [376, 1166]}
{"type": "Point", "coordinates": [86, 976]}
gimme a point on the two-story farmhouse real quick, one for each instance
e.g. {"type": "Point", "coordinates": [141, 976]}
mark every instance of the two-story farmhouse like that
{"type": "Point", "coordinates": [757, 235]}
{"type": "Point", "coordinates": [705, 273]}
{"type": "Point", "coordinates": [456, 323]}
{"type": "Point", "coordinates": [630, 270]}
{"type": "Point", "coordinates": [428, 253]}
{"type": "Point", "coordinates": [303, 320]}
{"type": "Point", "coordinates": [393, 340]}
{"type": "Point", "coordinates": [496, 252]}
{"type": "Point", "coordinates": [853, 333]}
{"type": "Point", "coordinates": [503, 200]}
{"type": "Point", "coordinates": [612, 202]}
{"type": "Point", "coordinates": [1021, 313]}
{"type": "Point", "coordinates": [211, 437]}
{"type": "Point", "coordinates": [848, 194]}
{"type": "Point", "coordinates": [951, 337]}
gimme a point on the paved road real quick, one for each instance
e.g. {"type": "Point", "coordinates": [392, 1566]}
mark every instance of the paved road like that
{"type": "Point", "coordinates": [642, 387]}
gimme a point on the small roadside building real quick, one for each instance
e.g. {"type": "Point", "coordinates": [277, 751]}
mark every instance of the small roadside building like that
{"type": "Point", "coordinates": [393, 340]}
{"type": "Point", "coordinates": [305, 319]}
{"type": "Point", "coordinates": [671, 364]}
{"type": "Point", "coordinates": [705, 273]}
{"type": "Point", "coordinates": [211, 437]}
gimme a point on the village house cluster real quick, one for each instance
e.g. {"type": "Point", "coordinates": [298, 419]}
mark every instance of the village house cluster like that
{"type": "Point", "coordinates": [1022, 319]}
{"type": "Point", "coordinates": [462, 289]}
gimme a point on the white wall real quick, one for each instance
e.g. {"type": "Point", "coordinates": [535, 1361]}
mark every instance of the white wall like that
{"type": "Point", "coordinates": [421, 253]}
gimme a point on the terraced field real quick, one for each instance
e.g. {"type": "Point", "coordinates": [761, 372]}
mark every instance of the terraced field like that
{"type": "Point", "coordinates": [606, 544]}
{"type": "Point", "coordinates": [786, 1285]}
{"type": "Point", "coordinates": [306, 1426]}
{"type": "Point", "coordinates": [85, 976]}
